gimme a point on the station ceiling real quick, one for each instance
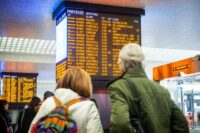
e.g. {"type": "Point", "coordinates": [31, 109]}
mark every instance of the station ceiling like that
{"type": "Point", "coordinates": [33, 18]}
{"type": "Point", "coordinates": [27, 19]}
{"type": "Point", "coordinates": [170, 29]}
{"type": "Point", "coordinates": [170, 24]}
{"type": "Point", "coordinates": [26, 26]}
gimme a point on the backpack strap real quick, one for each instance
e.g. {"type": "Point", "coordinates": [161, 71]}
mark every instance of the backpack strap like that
{"type": "Point", "coordinates": [57, 101]}
{"type": "Point", "coordinates": [135, 121]}
{"type": "Point", "coordinates": [73, 101]}
{"type": "Point", "coordinates": [135, 95]}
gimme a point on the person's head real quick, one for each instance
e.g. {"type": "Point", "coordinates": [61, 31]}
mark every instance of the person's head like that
{"type": "Point", "coordinates": [131, 56]}
{"type": "Point", "coordinates": [34, 102]}
{"type": "Point", "coordinates": [77, 80]}
{"type": "Point", "coordinates": [48, 94]}
{"type": "Point", "coordinates": [4, 105]}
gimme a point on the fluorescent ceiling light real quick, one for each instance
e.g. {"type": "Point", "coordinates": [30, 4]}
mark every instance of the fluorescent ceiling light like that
{"type": "Point", "coordinates": [25, 45]}
{"type": "Point", "coordinates": [15, 39]}
{"type": "Point", "coordinates": [4, 38]}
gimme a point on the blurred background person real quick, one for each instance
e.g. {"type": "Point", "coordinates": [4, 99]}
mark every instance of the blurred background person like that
{"type": "Point", "coordinates": [48, 94]}
{"type": "Point", "coordinates": [5, 121]}
{"type": "Point", "coordinates": [27, 115]}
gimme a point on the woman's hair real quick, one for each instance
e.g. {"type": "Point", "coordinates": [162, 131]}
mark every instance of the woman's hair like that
{"type": "Point", "coordinates": [131, 56]}
{"type": "Point", "coordinates": [77, 80]}
{"type": "Point", "coordinates": [2, 104]}
{"type": "Point", "coordinates": [34, 102]}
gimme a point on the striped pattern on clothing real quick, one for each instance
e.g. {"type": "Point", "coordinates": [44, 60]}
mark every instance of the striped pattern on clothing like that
{"type": "Point", "coordinates": [59, 120]}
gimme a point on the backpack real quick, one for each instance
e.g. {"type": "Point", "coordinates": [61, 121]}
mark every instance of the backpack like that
{"type": "Point", "coordinates": [59, 120]}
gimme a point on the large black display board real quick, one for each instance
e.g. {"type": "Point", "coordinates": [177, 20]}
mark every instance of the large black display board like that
{"type": "Point", "coordinates": [92, 38]}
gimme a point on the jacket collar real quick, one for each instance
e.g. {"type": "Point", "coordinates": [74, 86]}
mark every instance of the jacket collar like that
{"type": "Point", "coordinates": [135, 72]}
{"type": "Point", "coordinates": [130, 73]}
{"type": "Point", "coordinates": [65, 95]}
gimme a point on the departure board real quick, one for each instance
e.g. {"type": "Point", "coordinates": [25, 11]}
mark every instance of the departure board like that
{"type": "Point", "coordinates": [18, 88]}
{"type": "Point", "coordinates": [94, 39]}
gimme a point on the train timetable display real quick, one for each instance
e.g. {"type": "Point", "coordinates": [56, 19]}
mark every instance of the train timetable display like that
{"type": "Point", "coordinates": [93, 41]}
{"type": "Point", "coordinates": [18, 89]}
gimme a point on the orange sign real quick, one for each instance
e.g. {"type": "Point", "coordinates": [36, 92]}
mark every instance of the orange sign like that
{"type": "Point", "coordinates": [188, 66]}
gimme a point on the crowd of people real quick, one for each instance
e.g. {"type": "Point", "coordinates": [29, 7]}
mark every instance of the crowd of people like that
{"type": "Point", "coordinates": [138, 105]}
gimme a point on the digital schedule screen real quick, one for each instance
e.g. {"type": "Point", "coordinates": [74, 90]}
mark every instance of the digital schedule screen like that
{"type": "Point", "coordinates": [18, 89]}
{"type": "Point", "coordinates": [94, 39]}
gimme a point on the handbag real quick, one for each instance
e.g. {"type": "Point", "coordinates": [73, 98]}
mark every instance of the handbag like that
{"type": "Point", "coordinates": [136, 122]}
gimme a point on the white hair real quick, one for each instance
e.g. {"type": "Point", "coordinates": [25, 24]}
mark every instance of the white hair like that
{"type": "Point", "coordinates": [131, 56]}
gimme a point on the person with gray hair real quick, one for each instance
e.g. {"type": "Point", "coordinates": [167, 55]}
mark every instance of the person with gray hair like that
{"type": "Point", "coordinates": [131, 56]}
{"type": "Point", "coordinates": [139, 105]}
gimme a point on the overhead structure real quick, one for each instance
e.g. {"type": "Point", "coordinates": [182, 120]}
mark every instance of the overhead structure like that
{"type": "Point", "coordinates": [178, 68]}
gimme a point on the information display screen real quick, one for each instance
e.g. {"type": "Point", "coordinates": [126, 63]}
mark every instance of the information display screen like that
{"type": "Point", "coordinates": [18, 89]}
{"type": "Point", "coordinates": [94, 40]}
{"type": "Point", "coordinates": [61, 47]}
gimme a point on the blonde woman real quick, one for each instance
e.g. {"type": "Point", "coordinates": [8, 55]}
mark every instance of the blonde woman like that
{"type": "Point", "coordinates": [75, 83]}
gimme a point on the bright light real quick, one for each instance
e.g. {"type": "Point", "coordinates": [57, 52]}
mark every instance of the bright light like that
{"type": "Point", "coordinates": [25, 45]}
{"type": "Point", "coordinates": [4, 38]}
